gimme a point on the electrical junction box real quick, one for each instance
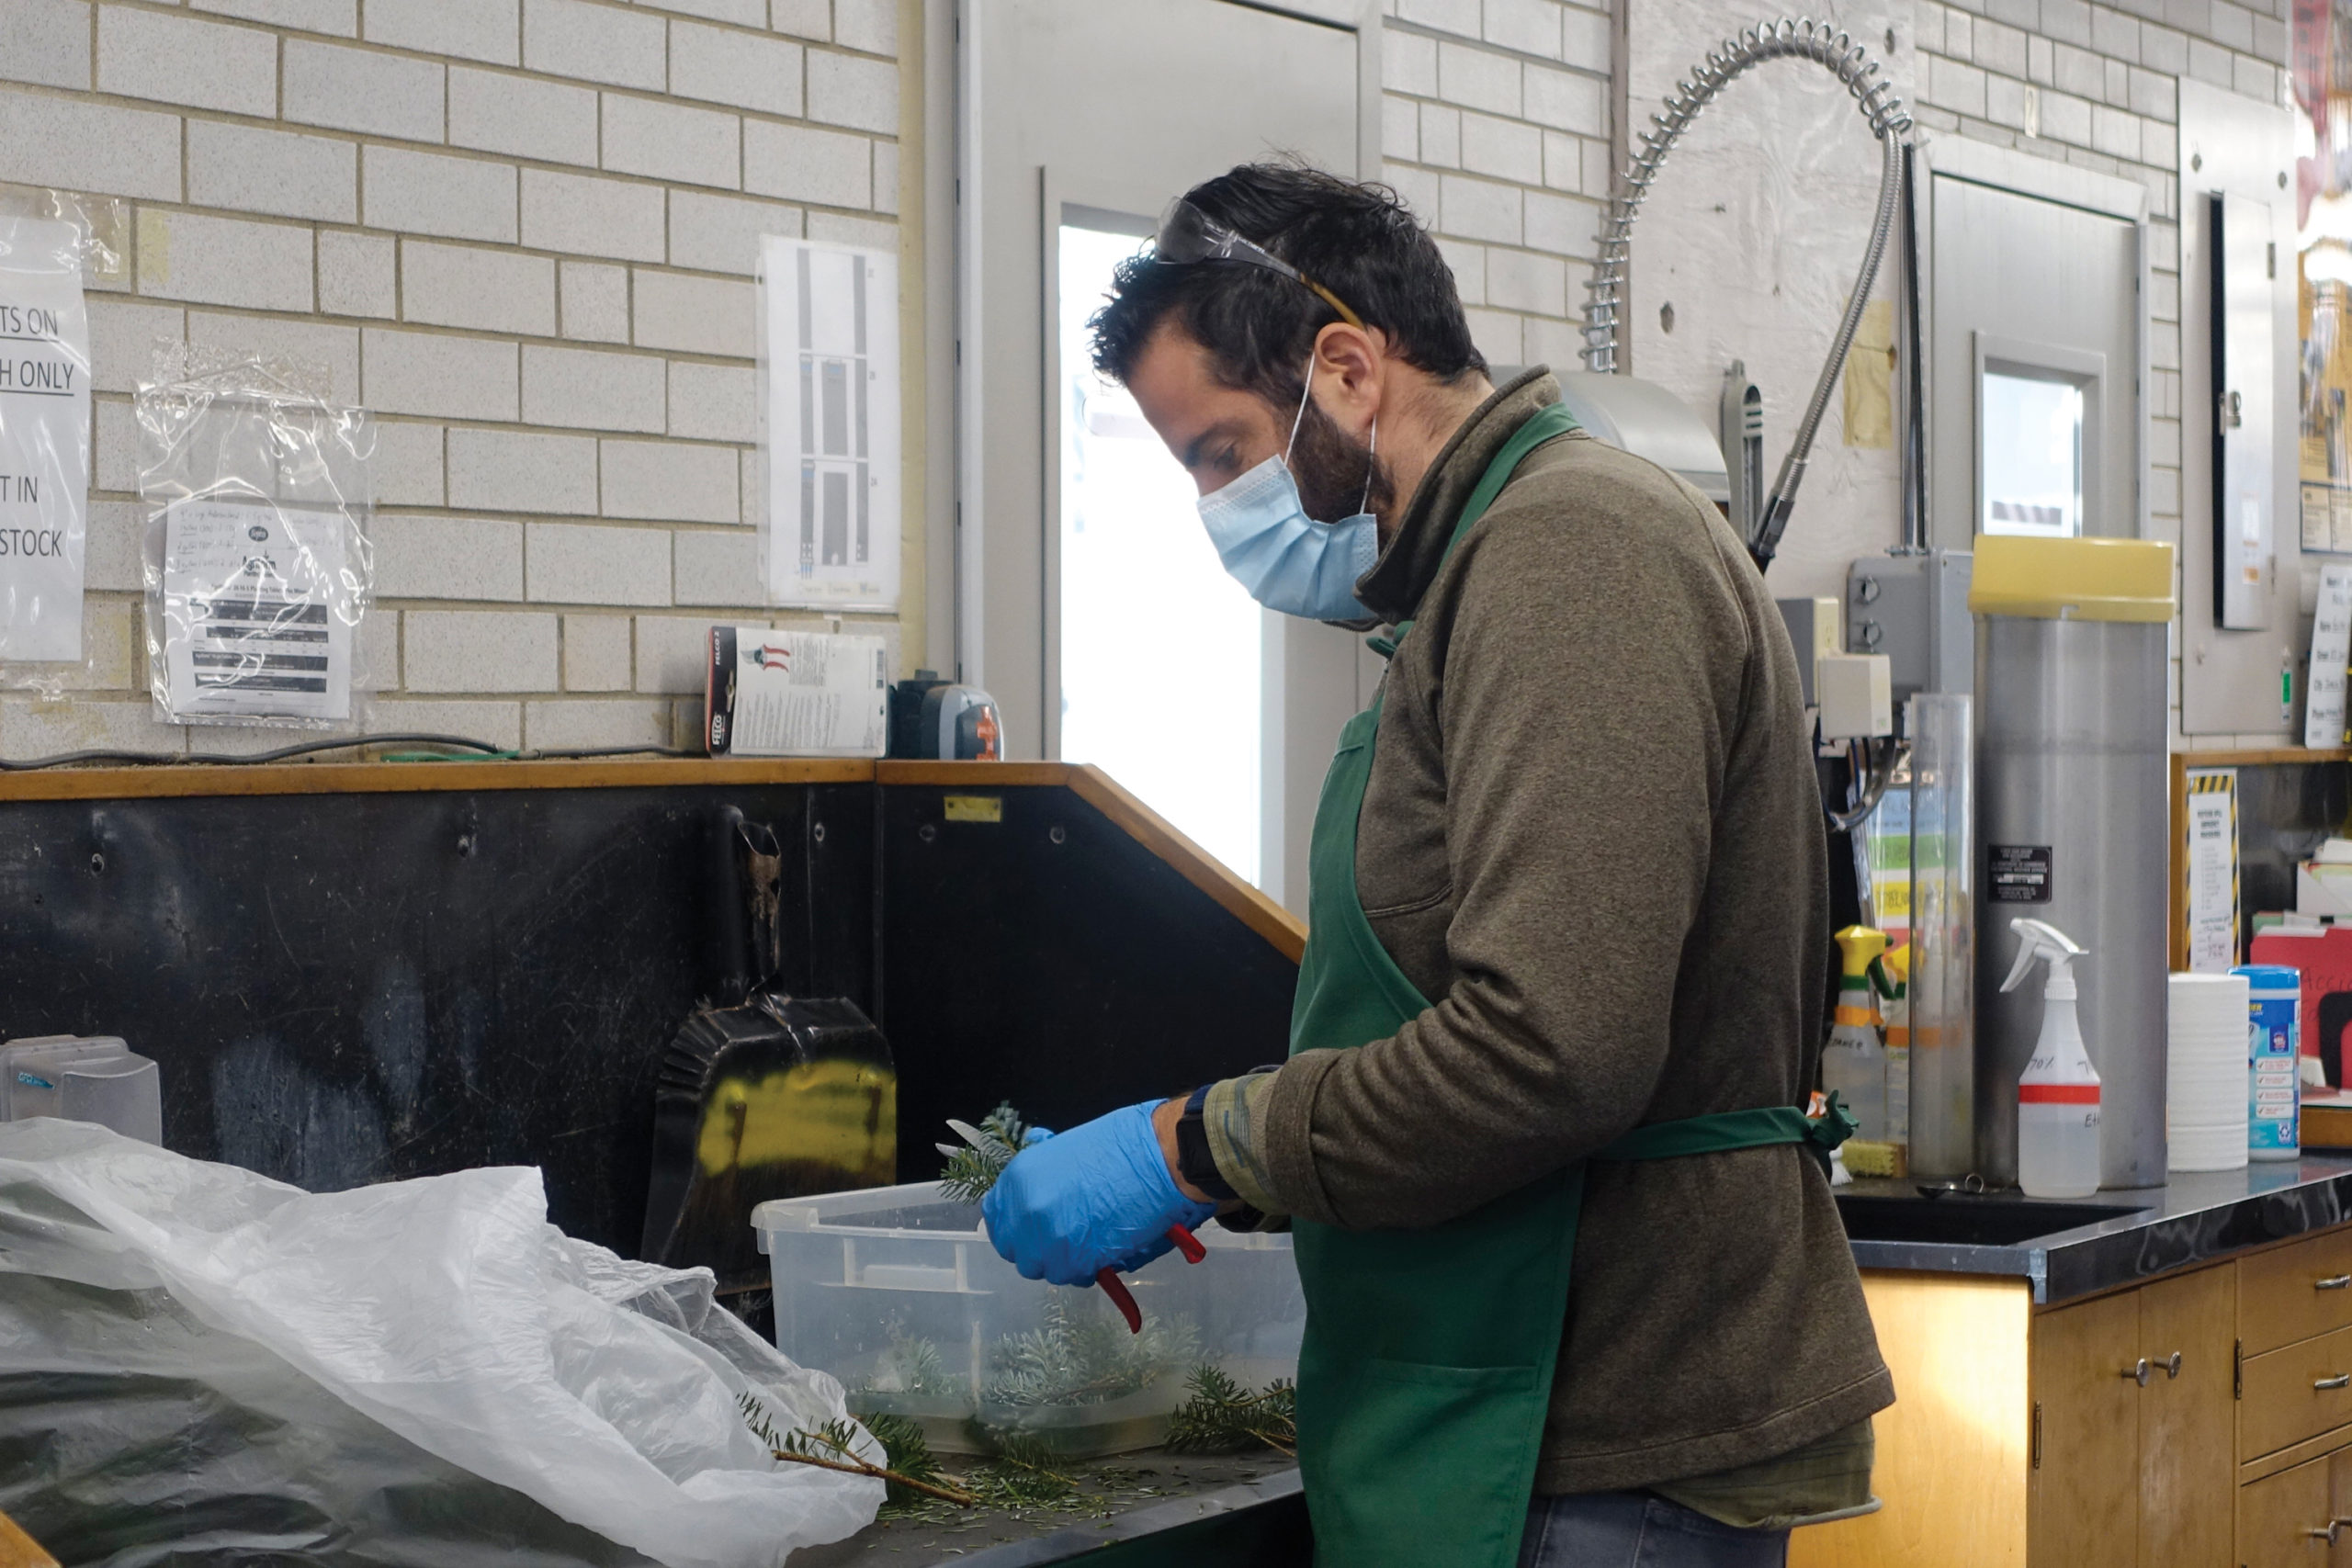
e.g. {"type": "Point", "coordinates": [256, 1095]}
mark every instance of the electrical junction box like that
{"type": "Point", "coordinates": [1856, 697]}
{"type": "Point", "coordinates": [1913, 609]}
{"type": "Point", "coordinates": [1815, 628]}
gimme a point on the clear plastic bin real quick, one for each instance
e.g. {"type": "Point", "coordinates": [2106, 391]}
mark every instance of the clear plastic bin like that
{"type": "Point", "coordinates": [897, 1291]}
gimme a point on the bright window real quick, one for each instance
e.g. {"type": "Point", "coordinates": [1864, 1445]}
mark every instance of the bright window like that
{"type": "Point", "coordinates": [1160, 650]}
{"type": "Point", "coordinates": [2032, 478]}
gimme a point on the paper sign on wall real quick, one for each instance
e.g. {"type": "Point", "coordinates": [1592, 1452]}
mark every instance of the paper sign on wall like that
{"type": "Point", "coordinates": [830, 319]}
{"type": "Point", "coordinates": [2330, 648]}
{"type": "Point", "coordinates": [256, 614]}
{"type": "Point", "coordinates": [44, 439]}
{"type": "Point", "coordinates": [2211, 906]}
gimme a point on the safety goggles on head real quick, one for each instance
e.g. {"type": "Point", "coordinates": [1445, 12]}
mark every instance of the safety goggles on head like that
{"type": "Point", "coordinates": [1188, 235]}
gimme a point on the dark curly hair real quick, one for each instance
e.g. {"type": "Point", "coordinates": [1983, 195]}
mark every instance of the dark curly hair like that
{"type": "Point", "coordinates": [1358, 241]}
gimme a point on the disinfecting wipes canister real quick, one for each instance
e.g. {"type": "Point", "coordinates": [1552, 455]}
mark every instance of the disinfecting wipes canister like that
{"type": "Point", "coordinates": [2274, 1040]}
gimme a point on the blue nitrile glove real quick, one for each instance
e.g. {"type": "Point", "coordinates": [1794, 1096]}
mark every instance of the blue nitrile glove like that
{"type": "Point", "coordinates": [1098, 1196]}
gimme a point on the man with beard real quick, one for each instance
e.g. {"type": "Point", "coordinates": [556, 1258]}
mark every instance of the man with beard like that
{"type": "Point", "coordinates": [1577, 1290]}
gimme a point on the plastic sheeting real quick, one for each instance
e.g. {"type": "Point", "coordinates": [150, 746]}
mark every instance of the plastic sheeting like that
{"type": "Point", "coordinates": [258, 562]}
{"type": "Point", "coordinates": [197, 1363]}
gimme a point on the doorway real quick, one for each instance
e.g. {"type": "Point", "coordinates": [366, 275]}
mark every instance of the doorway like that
{"type": "Point", "coordinates": [1088, 598]}
{"type": "Point", "coordinates": [2036, 345]}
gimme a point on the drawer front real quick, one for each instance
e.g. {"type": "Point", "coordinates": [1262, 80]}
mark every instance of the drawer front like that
{"type": "Point", "coordinates": [2283, 1521]}
{"type": "Point", "coordinates": [2295, 1291]}
{"type": "Point", "coordinates": [2300, 1392]}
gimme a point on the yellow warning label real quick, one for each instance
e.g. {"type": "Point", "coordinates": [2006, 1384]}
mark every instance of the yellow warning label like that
{"type": "Point", "coordinates": [976, 809]}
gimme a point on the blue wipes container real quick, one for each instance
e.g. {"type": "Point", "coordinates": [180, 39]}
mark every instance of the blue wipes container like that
{"type": "Point", "coordinates": [2274, 1041]}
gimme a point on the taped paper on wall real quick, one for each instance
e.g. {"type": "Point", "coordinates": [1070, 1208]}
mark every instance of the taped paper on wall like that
{"type": "Point", "coordinates": [780, 694]}
{"type": "Point", "coordinates": [44, 439]}
{"type": "Point", "coordinates": [2331, 650]}
{"type": "Point", "coordinates": [2211, 904]}
{"type": "Point", "coordinates": [829, 343]}
{"type": "Point", "coordinates": [257, 562]}
{"type": "Point", "coordinates": [250, 596]}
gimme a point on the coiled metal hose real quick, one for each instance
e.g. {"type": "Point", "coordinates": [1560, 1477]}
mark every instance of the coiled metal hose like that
{"type": "Point", "coordinates": [1792, 39]}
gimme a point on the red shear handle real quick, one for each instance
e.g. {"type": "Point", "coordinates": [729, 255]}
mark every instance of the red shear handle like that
{"type": "Point", "coordinates": [1116, 1288]}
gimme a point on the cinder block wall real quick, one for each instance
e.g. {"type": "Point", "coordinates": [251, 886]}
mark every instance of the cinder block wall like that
{"type": "Point", "coordinates": [521, 231]}
{"type": "Point", "coordinates": [2106, 83]}
{"type": "Point", "coordinates": [1495, 129]}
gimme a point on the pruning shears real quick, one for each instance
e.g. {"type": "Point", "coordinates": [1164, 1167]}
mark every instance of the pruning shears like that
{"type": "Point", "coordinates": [1108, 1277]}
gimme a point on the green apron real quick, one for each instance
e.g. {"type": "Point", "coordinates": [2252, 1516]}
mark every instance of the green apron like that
{"type": "Point", "coordinates": [1427, 1367]}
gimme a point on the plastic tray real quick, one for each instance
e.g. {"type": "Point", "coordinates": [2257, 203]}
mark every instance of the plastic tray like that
{"type": "Point", "coordinates": [897, 1291]}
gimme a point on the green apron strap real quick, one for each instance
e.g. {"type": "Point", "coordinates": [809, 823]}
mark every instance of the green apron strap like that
{"type": "Point", "coordinates": [1728, 1129]}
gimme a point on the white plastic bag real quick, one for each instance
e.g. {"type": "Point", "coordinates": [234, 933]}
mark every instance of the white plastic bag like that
{"type": "Point", "coordinates": [447, 1309]}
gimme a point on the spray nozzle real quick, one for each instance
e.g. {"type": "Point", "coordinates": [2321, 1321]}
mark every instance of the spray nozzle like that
{"type": "Point", "coordinates": [1861, 946]}
{"type": "Point", "coordinates": [2040, 939]}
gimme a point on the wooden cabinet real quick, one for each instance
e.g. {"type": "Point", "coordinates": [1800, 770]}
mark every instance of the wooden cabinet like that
{"type": "Point", "coordinates": [2301, 1517]}
{"type": "Point", "coordinates": [2295, 1393]}
{"type": "Point", "coordinates": [2084, 1502]}
{"type": "Point", "coordinates": [2295, 1291]}
{"type": "Point", "coordinates": [2134, 1458]}
{"type": "Point", "coordinates": [2187, 1330]}
{"type": "Point", "coordinates": [2196, 1421]}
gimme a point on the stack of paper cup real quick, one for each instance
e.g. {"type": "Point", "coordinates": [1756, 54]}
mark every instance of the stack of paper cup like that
{"type": "Point", "coordinates": [2206, 1068]}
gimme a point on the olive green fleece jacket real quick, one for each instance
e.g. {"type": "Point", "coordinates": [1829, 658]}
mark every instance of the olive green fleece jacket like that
{"type": "Point", "coordinates": [1592, 835]}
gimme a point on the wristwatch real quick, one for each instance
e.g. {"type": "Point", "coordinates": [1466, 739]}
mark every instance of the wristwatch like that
{"type": "Point", "coordinates": [1195, 1163]}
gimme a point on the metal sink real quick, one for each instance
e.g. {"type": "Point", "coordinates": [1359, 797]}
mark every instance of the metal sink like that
{"type": "Point", "coordinates": [1961, 1220]}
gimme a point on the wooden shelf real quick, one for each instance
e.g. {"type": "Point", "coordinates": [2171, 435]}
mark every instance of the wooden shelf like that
{"type": "Point", "coordinates": [2267, 756]}
{"type": "Point", "coordinates": [168, 779]}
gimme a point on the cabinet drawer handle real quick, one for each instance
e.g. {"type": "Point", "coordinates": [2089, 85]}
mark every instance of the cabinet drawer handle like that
{"type": "Point", "coordinates": [2138, 1370]}
{"type": "Point", "coordinates": [2334, 1283]}
{"type": "Point", "coordinates": [2341, 1379]}
{"type": "Point", "coordinates": [2171, 1364]}
{"type": "Point", "coordinates": [2328, 1535]}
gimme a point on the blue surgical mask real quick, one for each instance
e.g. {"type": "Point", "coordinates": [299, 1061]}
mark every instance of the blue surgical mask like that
{"type": "Point", "coordinates": [1286, 559]}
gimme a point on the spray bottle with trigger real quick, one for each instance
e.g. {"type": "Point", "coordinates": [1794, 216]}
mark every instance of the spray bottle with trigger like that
{"type": "Point", "coordinates": [1853, 1064]}
{"type": "Point", "coordinates": [2058, 1092]}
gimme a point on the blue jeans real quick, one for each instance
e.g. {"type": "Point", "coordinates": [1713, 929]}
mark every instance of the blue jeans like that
{"type": "Point", "coordinates": [1633, 1530]}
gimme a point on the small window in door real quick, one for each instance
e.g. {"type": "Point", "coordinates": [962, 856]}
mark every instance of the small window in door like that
{"type": "Point", "coordinates": [2033, 456]}
{"type": "Point", "coordinates": [1160, 650]}
{"type": "Point", "coordinates": [2036, 437]}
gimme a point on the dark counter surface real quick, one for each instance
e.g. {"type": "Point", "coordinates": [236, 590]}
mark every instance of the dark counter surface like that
{"type": "Point", "coordinates": [1133, 1510]}
{"type": "Point", "coordinates": [2080, 1246]}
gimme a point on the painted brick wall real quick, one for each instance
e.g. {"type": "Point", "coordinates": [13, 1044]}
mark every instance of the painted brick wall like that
{"type": "Point", "coordinates": [1495, 129]}
{"type": "Point", "coordinates": [2099, 86]}
{"type": "Point", "coordinates": [522, 233]}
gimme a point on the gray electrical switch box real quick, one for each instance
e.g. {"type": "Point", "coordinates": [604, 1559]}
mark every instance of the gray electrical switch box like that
{"type": "Point", "coordinates": [1913, 609]}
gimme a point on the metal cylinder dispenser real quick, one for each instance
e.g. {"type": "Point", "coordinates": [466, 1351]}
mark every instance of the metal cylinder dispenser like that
{"type": "Point", "coordinates": [2072, 791]}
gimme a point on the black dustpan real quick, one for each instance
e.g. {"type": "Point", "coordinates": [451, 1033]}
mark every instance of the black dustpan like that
{"type": "Point", "coordinates": [760, 1095]}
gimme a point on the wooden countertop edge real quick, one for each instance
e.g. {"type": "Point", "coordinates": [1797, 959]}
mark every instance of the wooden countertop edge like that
{"type": "Point", "coordinates": [166, 781]}
{"type": "Point", "coordinates": [1277, 925]}
{"type": "Point", "coordinates": [1269, 920]}
{"type": "Point", "coordinates": [18, 1550]}
{"type": "Point", "coordinates": [1285, 930]}
{"type": "Point", "coordinates": [2263, 756]}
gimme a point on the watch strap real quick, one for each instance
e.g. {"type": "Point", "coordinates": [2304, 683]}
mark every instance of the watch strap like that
{"type": "Point", "coordinates": [1195, 1162]}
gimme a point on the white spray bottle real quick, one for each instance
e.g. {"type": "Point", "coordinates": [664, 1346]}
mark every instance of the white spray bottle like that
{"type": "Point", "coordinates": [2058, 1092]}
